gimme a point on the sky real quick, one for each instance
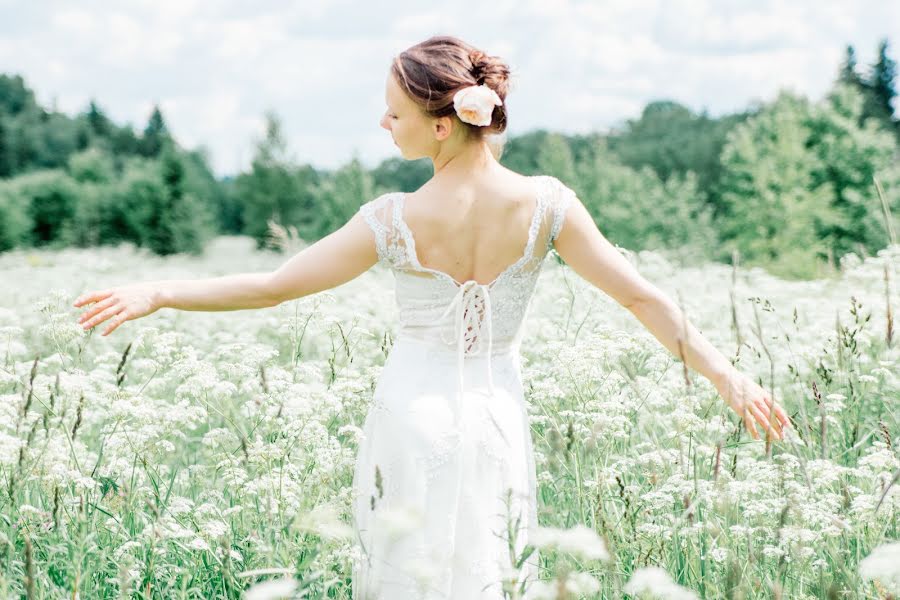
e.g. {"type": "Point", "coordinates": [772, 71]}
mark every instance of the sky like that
{"type": "Point", "coordinates": [215, 68]}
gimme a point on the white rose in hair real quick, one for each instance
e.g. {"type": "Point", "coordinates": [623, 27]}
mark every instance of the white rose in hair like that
{"type": "Point", "coordinates": [474, 104]}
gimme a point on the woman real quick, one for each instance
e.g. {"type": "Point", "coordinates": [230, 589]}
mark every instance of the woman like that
{"type": "Point", "coordinates": [447, 444]}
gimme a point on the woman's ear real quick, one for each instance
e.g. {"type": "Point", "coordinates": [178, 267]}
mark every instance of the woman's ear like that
{"type": "Point", "coordinates": [443, 128]}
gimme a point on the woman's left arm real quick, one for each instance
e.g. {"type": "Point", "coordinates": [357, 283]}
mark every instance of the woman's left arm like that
{"type": "Point", "coordinates": [665, 320]}
{"type": "Point", "coordinates": [587, 252]}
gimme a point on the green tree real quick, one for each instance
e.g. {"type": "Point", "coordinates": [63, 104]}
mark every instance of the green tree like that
{"type": "Point", "coordinates": [156, 134]}
{"type": "Point", "coordinates": [340, 195]}
{"type": "Point", "coordinates": [774, 209]}
{"type": "Point", "coordinates": [179, 222]}
{"type": "Point", "coordinates": [15, 223]}
{"type": "Point", "coordinates": [521, 152]}
{"type": "Point", "coordinates": [136, 195]}
{"type": "Point", "coordinates": [15, 97]}
{"type": "Point", "coordinates": [396, 174]}
{"type": "Point", "coordinates": [50, 197]}
{"type": "Point", "coordinates": [881, 82]}
{"type": "Point", "coordinates": [270, 189]}
{"type": "Point", "coordinates": [100, 125]}
{"type": "Point", "coordinates": [672, 140]}
{"type": "Point", "coordinates": [847, 72]}
{"type": "Point", "coordinates": [636, 210]}
{"type": "Point", "coordinates": [91, 165]}
{"type": "Point", "coordinates": [851, 150]}
{"type": "Point", "coordinates": [7, 164]}
{"type": "Point", "coordinates": [554, 157]}
{"type": "Point", "coordinates": [876, 88]}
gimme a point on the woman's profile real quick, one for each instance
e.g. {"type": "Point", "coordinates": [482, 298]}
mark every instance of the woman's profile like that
{"type": "Point", "coordinates": [447, 450]}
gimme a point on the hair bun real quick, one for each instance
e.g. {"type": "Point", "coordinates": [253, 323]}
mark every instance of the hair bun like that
{"type": "Point", "coordinates": [478, 63]}
{"type": "Point", "coordinates": [433, 71]}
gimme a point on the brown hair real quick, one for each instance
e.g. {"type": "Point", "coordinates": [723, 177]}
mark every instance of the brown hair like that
{"type": "Point", "coordinates": [432, 71]}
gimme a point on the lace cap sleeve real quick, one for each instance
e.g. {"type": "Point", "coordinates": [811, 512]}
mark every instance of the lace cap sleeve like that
{"type": "Point", "coordinates": [562, 200]}
{"type": "Point", "coordinates": [382, 217]}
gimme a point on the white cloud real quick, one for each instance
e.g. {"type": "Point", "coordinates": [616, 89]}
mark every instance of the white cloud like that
{"type": "Point", "coordinates": [74, 20]}
{"type": "Point", "coordinates": [577, 65]}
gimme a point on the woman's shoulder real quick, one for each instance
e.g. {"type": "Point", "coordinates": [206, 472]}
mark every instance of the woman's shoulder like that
{"type": "Point", "coordinates": [509, 182]}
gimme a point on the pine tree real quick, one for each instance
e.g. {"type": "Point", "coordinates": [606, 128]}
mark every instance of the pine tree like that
{"type": "Point", "coordinates": [15, 97]}
{"type": "Point", "coordinates": [881, 82]}
{"type": "Point", "coordinates": [98, 122]}
{"type": "Point", "coordinates": [269, 191]}
{"type": "Point", "coordinates": [882, 79]}
{"type": "Point", "coordinates": [6, 155]}
{"type": "Point", "coordinates": [156, 133]}
{"type": "Point", "coordinates": [847, 72]}
{"type": "Point", "coordinates": [878, 90]}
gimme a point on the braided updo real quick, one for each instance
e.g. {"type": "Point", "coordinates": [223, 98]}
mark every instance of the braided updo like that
{"type": "Point", "coordinates": [433, 71]}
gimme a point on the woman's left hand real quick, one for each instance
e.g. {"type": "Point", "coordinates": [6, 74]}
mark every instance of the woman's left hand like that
{"type": "Point", "coordinates": [122, 304]}
{"type": "Point", "coordinates": [750, 402]}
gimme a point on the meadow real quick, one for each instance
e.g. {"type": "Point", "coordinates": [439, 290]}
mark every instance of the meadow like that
{"type": "Point", "coordinates": [202, 455]}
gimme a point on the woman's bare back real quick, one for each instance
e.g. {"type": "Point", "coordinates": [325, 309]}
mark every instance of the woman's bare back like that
{"type": "Point", "coordinates": [473, 231]}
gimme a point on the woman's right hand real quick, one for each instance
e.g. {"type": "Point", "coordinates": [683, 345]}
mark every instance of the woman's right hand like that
{"type": "Point", "coordinates": [123, 303]}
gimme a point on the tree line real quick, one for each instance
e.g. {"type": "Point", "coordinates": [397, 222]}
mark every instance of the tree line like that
{"type": "Point", "coordinates": [789, 184]}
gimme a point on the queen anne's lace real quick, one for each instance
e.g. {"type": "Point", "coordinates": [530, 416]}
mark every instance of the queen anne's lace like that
{"type": "Point", "coordinates": [425, 455]}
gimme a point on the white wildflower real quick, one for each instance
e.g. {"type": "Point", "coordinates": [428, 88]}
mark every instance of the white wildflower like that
{"type": "Point", "coordinates": [719, 554]}
{"type": "Point", "coordinates": [834, 403]}
{"type": "Point", "coordinates": [61, 328]}
{"type": "Point", "coordinates": [579, 540]}
{"type": "Point", "coordinates": [582, 584]}
{"type": "Point", "coordinates": [26, 510]}
{"type": "Point", "coordinates": [575, 585]}
{"type": "Point", "coordinates": [883, 564]}
{"type": "Point", "coordinates": [198, 544]}
{"type": "Point", "coordinates": [125, 549]}
{"type": "Point", "coordinates": [272, 590]}
{"type": "Point", "coordinates": [657, 583]}
{"type": "Point", "coordinates": [215, 529]}
{"type": "Point", "coordinates": [355, 432]}
{"type": "Point", "coordinates": [324, 521]}
{"type": "Point", "coordinates": [179, 505]}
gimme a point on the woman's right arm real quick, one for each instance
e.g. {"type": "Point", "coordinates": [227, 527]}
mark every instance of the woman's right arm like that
{"type": "Point", "coordinates": [335, 259]}
{"type": "Point", "coordinates": [229, 292]}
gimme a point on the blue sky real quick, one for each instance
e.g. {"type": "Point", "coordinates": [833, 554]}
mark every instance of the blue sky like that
{"type": "Point", "coordinates": [215, 67]}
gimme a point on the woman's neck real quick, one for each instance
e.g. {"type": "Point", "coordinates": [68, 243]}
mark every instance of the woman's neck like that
{"type": "Point", "coordinates": [473, 159]}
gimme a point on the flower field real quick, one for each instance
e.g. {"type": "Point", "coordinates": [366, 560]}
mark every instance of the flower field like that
{"type": "Point", "coordinates": [210, 454]}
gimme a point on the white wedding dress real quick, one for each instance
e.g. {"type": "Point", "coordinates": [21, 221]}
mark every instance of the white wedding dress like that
{"type": "Point", "coordinates": [446, 462]}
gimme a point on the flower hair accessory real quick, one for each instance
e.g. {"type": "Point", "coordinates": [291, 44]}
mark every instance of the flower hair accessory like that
{"type": "Point", "coordinates": [475, 104]}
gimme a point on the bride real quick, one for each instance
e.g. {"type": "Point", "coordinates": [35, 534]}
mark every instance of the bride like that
{"type": "Point", "coordinates": [447, 443]}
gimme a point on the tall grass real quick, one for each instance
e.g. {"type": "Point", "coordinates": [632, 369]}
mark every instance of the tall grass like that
{"type": "Point", "coordinates": [194, 455]}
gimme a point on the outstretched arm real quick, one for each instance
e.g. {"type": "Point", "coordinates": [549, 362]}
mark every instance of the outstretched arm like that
{"type": "Point", "coordinates": [329, 262]}
{"type": "Point", "coordinates": [333, 260]}
{"type": "Point", "coordinates": [587, 251]}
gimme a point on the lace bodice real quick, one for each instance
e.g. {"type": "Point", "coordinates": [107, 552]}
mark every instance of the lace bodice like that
{"type": "Point", "coordinates": [425, 297]}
